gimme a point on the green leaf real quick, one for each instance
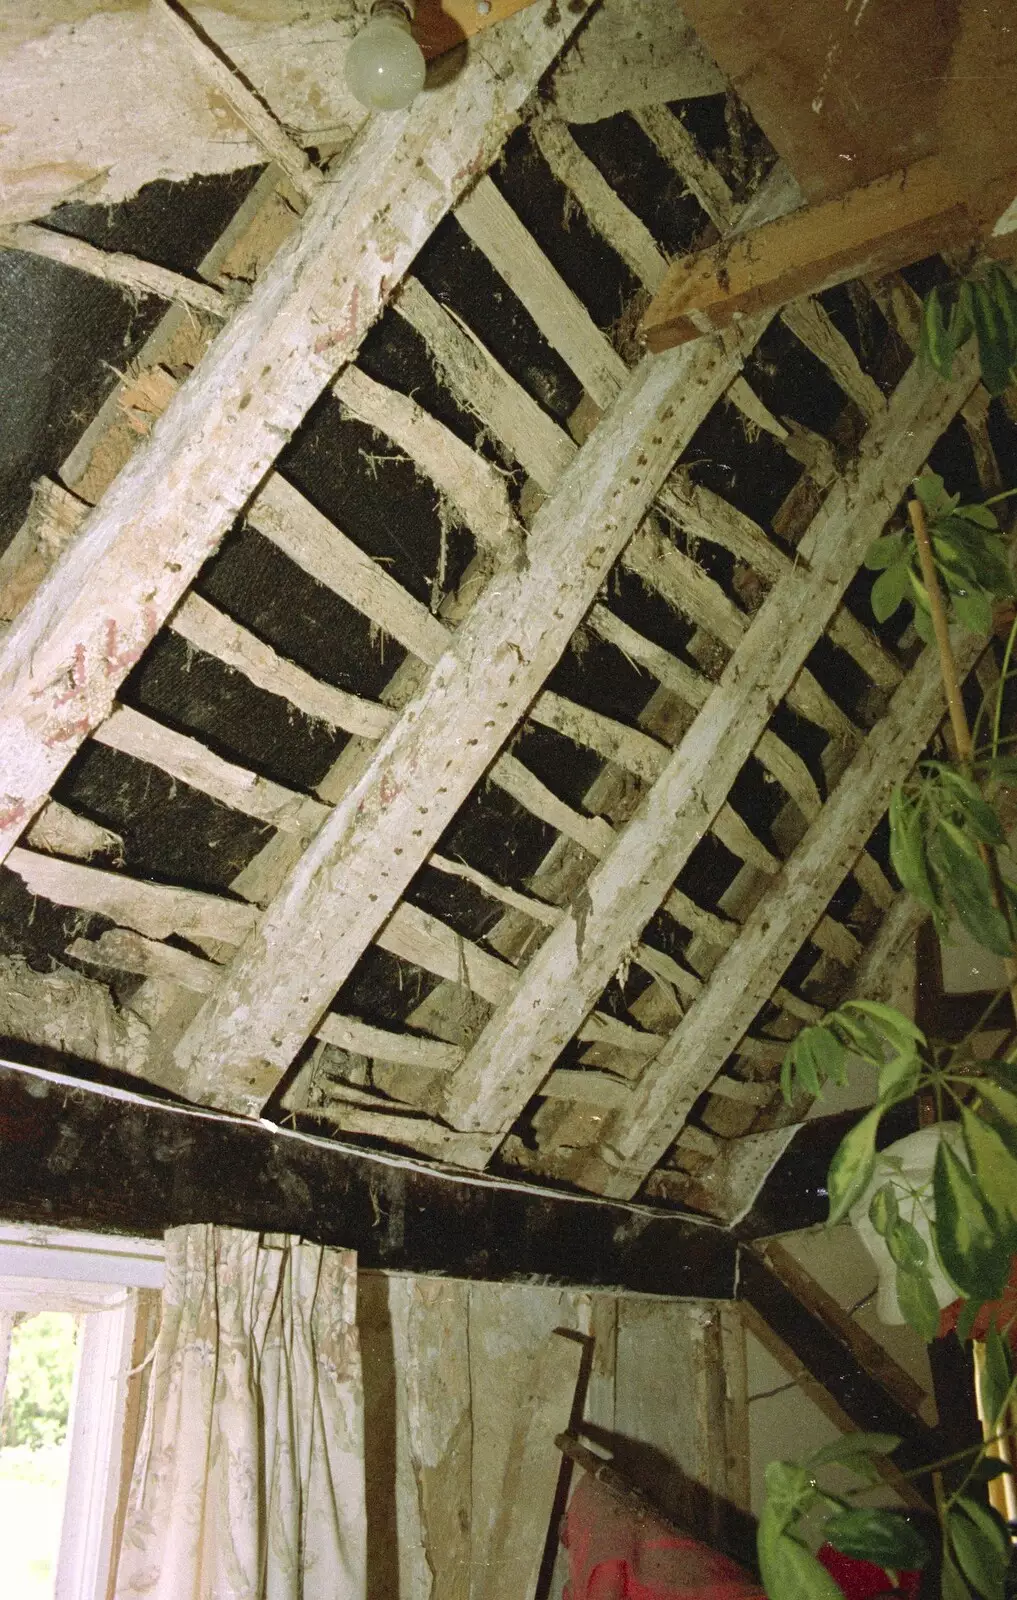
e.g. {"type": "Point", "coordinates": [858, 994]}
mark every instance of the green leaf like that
{"type": "Point", "coordinates": [973, 611]}
{"type": "Point", "coordinates": [841, 1452]}
{"type": "Point", "coordinates": [787, 1072]}
{"type": "Point", "coordinates": [883, 1209]}
{"type": "Point", "coordinates": [952, 1583]}
{"type": "Point", "coordinates": [906, 1246]}
{"type": "Point", "coordinates": [965, 1232]}
{"type": "Point", "coordinates": [995, 1377]}
{"type": "Point", "coordinates": [895, 1024]}
{"type": "Point", "coordinates": [883, 1537]}
{"type": "Point", "coordinates": [981, 1546]}
{"type": "Point", "coordinates": [888, 591]}
{"type": "Point", "coordinates": [907, 850]}
{"type": "Point", "coordinates": [789, 1490]}
{"type": "Point", "coordinates": [851, 1167]}
{"type": "Point", "coordinates": [967, 1319]}
{"type": "Point", "coordinates": [995, 1171]}
{"type": "Point", "coordinates": [788, 1570]}
{"type": "Point", "coordinates": [995, 352]}
{"type": "Point", "coordinates": [917, 1301]}
{"type": "Point", "coordinates": [931, 491]}
{"type": "Point", "coordinates": [898, 1078]}
{"type": "Point", "coordinates": [998, 1105]}
{"type": "Point", "coordinates": [887, 552]}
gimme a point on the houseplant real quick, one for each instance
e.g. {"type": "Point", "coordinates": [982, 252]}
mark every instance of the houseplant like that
{"type": "Point", "coordinates": [948, 845]}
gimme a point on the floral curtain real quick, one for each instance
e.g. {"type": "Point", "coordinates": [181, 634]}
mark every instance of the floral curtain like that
{"type": "Point", "coordinates": [249, 1481]}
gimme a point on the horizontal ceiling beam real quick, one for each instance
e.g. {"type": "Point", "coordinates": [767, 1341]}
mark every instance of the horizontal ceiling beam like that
{"type": "Point", "coordinates": [78, 1155]}
{"type": "Point", "coordinates": [63, 659]}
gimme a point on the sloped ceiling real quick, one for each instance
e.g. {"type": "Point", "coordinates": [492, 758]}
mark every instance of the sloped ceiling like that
{"type": "Point", "coordinates": [501, 738]}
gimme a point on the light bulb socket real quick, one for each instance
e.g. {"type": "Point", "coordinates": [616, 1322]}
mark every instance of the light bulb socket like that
{"type": "Point", "coordinates": [402, 10]}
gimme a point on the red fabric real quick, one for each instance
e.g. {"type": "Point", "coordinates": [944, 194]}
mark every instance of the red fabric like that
{"type": "Point", "coordinates": [860, 1580]}
{"type": "Point", "coordinates": [617, 1553]}
{"type": "Point", "coordinates": [996, 1313]}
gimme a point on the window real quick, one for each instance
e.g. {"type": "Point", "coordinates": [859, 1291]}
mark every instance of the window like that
{"type": "Point", "coordinates": [97, 1280]}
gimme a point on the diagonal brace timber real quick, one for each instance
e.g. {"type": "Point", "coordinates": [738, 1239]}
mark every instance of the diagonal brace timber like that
{"type": "Point", "coordinates": [519, 1045]}
{"type": "Point", "coordinates": [745, 976]}
{"type": "Point", "coordinates": [350, 878]}
{"type": "Point", "coordinates": [90, 621]}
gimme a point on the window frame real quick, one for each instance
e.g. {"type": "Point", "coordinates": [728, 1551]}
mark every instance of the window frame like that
{"type": "Point", "coordinates": [96, 1276]}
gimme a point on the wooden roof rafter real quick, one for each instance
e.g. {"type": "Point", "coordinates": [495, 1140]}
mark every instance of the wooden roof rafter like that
{"type": "Point", "coordinates": [64, 656]}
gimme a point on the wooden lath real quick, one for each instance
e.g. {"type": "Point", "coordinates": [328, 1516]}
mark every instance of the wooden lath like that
{"type": "Point", "coordinates": [576, 961]}
{"type": "Point", "coordinates": [64, 657]}
{"type": "Point", "coordinates": [350, 878]}
{"type": "Point", "coordinates": [690, 1060]}
{"type": "Point", "coordinates": [423, 1066]}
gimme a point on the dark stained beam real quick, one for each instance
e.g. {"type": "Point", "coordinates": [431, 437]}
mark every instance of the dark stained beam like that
{"type": "Point", "coordinates": [828, 1370]}
{"type": "Point", "coordinates": [78, 1156]}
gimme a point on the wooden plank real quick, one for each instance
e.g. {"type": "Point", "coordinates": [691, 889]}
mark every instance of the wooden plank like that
{"type": "Point", "coordinates": [626, 233]}
{"type": "Point", "coordinates": [123, 950]}
{"type": "Point", "coordinates": [519, 1045]}
{"type": "Point", "coordinates": [524, 1375]}
{"type": "Point", "coordinates": [467, 480]}
{"type": "Point", "coordinates": [745, 977]}
{"type": "Point", "coordinates": [142, 1165]}
{"type": "Point", "coordinates": [251, 110]}
{"type": "Point", "coordinates": [354, 871]}
{"type": "Point", "coordinates": [814, 326]}
{"type": "Point", "coordinates": [888, 223]}
{"type": "Point", "coordinates": [191, 762]}
{"type": "Point", "coordinates": [210, 630]}
{"type": "Point", "coordinates": [871, 1356]}
{"type": "Point", "coordinates": [680, 150]}
{"type": "Point", "coordinates": [155, 909]}
{"type": "Point", "coordinates": [112, 266]}
{"type": "Point", "coordinates": [483, 387]}
{"type": "Point", "coordinates": [494, 228]}
{"type": "Point", "coordinates": [825, 85]}
{"type": "Point", "coordinates": [633, 53]}
{"type": "Point", "coordinates": [282, 514]}
{"type": "Point", "coordinates": [93, 617]}
{"type": "Point", "coordinates": [441, 25]}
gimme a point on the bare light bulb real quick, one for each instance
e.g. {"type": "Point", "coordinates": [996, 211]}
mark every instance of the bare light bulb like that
{"type": "Point", "coordinates": [385, 65]}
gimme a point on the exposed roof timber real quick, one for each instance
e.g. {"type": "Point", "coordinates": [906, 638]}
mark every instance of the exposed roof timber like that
{"type": "Point", "coordinates": [351, 876]}
{"type": "Point", "coordinates": [576, 961]}
{"type": "Point", "coordinates": [64, 657]}
{"type": "Point", "coordinates": [65, 1013]}
{"type": "Point", "coordinates": [128, 272]}
{"type": "Point", "coordinates": [888, 223]}
{"type": "Point", "coordinates": [117, 1162]}
{"type": "Point", "coordinates": [802, 1331]}
{"type": "Point", "coordinates": [633, 53]}
{"type": "Point", "coordinates": [252, 111]}
{"type": "Point", "coordinates": [744, 978]}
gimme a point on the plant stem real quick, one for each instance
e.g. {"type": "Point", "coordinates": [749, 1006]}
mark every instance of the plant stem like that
{"type": "Point", "coordinates": [958, 717]}
{"type": "Point", "coordinates": [941, 629]}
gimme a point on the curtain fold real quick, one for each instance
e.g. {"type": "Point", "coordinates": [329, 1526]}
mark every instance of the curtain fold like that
{"type": "Point", "coordinates": [249, 1481]}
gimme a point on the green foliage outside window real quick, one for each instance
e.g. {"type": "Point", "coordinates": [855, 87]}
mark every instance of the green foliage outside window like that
{"type": "Point", "coordinates": [40, 1377]}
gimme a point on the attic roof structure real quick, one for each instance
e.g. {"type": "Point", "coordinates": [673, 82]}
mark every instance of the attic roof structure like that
{"type": "Point", "coordinates": [429, 721]}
